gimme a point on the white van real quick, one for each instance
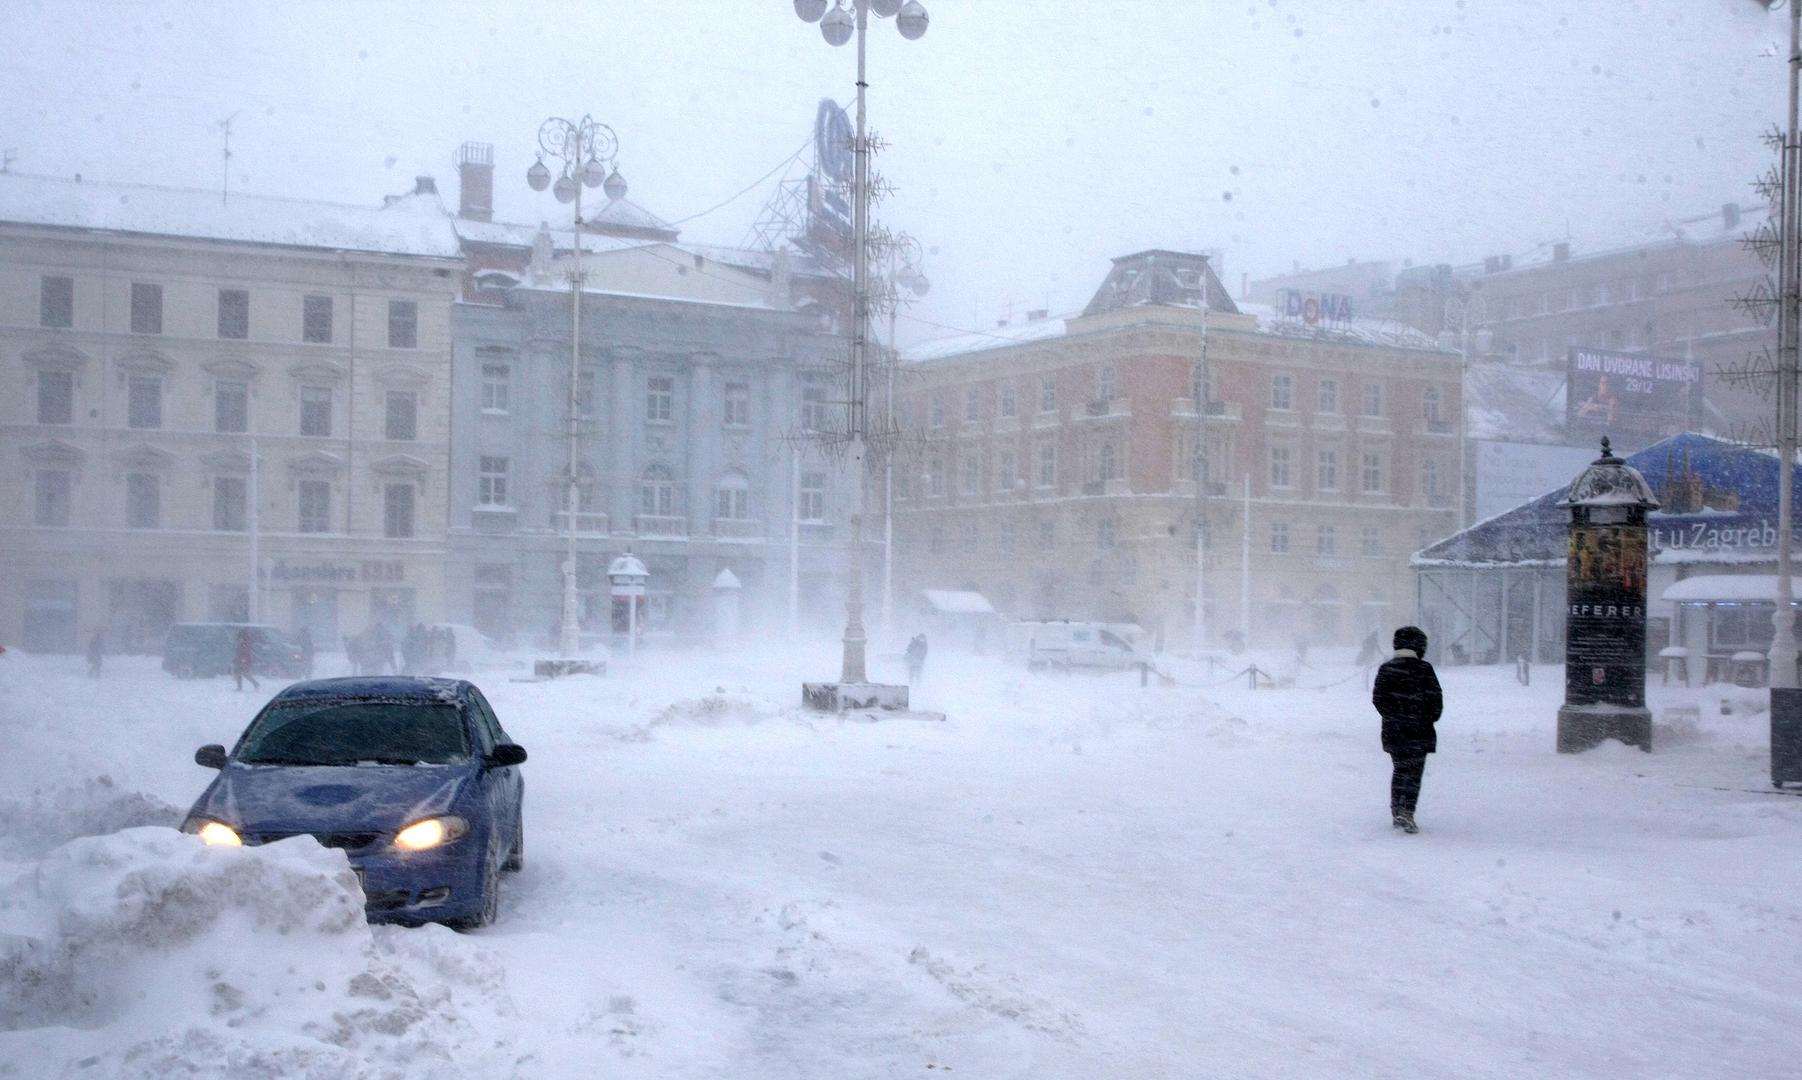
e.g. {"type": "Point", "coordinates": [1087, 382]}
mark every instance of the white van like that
{"type": "Point", "coordinates": [1077, 645]}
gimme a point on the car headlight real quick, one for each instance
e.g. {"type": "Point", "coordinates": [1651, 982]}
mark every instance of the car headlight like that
{"type": "Point", "coordinates": [430, 832]}
{"type": "Point", "coordinates": [216, 833]}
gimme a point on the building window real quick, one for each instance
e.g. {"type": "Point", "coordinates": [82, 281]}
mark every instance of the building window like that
{"type": "Point", "coordinates": [229, 504]}
{"type": "Point", "coordinates": [144, 401]}
{"type": "Point", "coordinates": [56, 302]}
{"type": "Point", "coordinates": [316, 411]}
{"type": "Point", "coordinates": [1279, 538]}
{"type": "Point", "coordinates": [1373, 399]}
{"type": "Point", "coordinates": [1373, 541]}
{"type": "Point", "coordinates": [812, 505]}
{"type": "Point", "coordinates": [1006, 405]}
{"type": "Point", "coordinates": [1048, 465]}
{"type": "Point", "coordinates": [56, 397]}
{"type": "Point", "coordinates": [1107, 462]}
{"type": "Point", "coordinates": [231, 407]}
{"type": "Point", "coordinates": [1006, 468]}
{"type": "Point", "coordinates": [1282, 392]}
{"type": "Point", "coordinates": [737, 405]}
{"type": "Point", "coordinates": [1281, 473]}
{"type": "Point", "coordinates": [143, 501]}
{"type": "Point", "coordinates": [234, 314]}
{"type": "Point", "coordinates": [813, 408]}
{"type": "Point", "coordinates": [1107, 383]}
{"type": "Point", "coordinates": [146, 308]}
{"type": "Point", "coordinates": [936, 411]}
{"type": "Point", "coordinates": [660, 399]}
{"type": "Point", "coordinates": [972, 469]}
{"type": "Point", "coordinates": [1429, 478]}
{"type": "Point", "coordinates": [1047, 535]}
{"type": "Point", "coordinates": [935, 540]}
{"type": "Point", "coordinates": [1429, 404]}
{"type": "Point", "coordinates": [53, 491]}
{"type": "Point", "coordinates": [585, 392]}
{"type": "Point", "coordinates": [403, 324]}
{"type": "Point", "coordinates": [497, 387]}
{"type": "Point", "coordinates": [1326, 540]}
{"type": "Point", "coordinates": [316, 319]}
{"type": "Point", "coordinates": [491, 481]}
{"type": "Point", "coordinates": [732, 500]}
{"type": "Point", "coordinates": [1047, 394]}
{"type": "Point", "coordinates": [1005, 537]}
{"type": "Point", "coordinates": [656, 494]}
{"type": "Point", "coordinates": [935, 477]}
{"type": "Point", "coordinates": [397, 510]}
{"type": "Point", "coordinates": [972, 405]}
{"type": "Point", "coordinates": [1107, 534]}
{"type": "Point", "coordinates": [1327, 399]}
{"type": "Point", "coordinates": [400, 416]}
{"type": "Point", "coordinates": [1373, 472]}
{"type": "Point", "coordinates": [969, 537]}
{"type": "Point", "coordinates": [1326, 471]}
{"type": "Point", "coordinates": [314, 500]}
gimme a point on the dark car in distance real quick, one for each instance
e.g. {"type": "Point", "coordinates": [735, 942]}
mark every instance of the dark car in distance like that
{"type": "Point", "coordinates": [202, 650]}
{"type": "Point", "coordinates": [413, 778]}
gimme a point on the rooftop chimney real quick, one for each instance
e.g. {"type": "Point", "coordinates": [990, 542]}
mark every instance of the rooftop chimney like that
{"type": "Point", "coordinates": [424, 185]}
{"type": "Point", "coordinates": [1561, 251]}
{"type": "Point", "coordinates": [475, 181]}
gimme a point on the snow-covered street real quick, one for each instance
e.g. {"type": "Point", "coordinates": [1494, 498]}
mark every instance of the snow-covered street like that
{"type": "Point", "coordinates": [1068, 877]}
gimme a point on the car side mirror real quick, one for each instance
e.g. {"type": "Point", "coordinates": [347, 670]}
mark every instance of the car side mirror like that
{"type": "Point", "coordinates": [212, 755]}
{"type": "Point", "coordinates": [506, 754]}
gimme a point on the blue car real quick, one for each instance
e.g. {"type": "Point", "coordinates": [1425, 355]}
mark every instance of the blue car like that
{"type": "Point", "coordinates": [413, 778]}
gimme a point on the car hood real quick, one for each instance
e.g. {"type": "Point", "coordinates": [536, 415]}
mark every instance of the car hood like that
{"type": "Point", "coordinates": [363, 798]}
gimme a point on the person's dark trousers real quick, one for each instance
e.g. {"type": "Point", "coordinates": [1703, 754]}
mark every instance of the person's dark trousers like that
{"type": "Point", "coordinates": [1404, 786]}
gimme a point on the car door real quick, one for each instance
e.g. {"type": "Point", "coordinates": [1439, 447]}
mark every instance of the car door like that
{"type": "Point", "coordinates": [502, 788]}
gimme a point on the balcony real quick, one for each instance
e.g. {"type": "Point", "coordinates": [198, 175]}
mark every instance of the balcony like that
{"type": "Point", "coordinates": [814, 532]}
{"type": "Point", "coordinates": [1216, 410]}
{"type": "Point", "coordinates": [737, 529]}
{"type": "Point", "coordinates": [661, 527]}
{"type": "Point", "coordinates": [586, 524]}
{"type": "Point", "coordinates": [1105, 408]}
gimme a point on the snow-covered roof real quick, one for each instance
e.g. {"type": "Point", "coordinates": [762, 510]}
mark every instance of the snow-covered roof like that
{"type": "Point", "coordinates": [404, 228]}
{"type": "Point", "coordinates": [1357, 331]}
{"type": "Point", "coordinates": [1713, 227]}
{"type": "Point", "coordinates": [1741, 588]}
{"type": "Point", "coordinates": [958, 602]}
{"type": "Point", "coordinates": [977, 341]}
{"type": "Point", "coordinates": [1515, 403]}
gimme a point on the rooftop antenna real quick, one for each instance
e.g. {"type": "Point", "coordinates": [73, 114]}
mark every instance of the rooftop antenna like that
{"type": "Point", "coordinates": [225, 156]}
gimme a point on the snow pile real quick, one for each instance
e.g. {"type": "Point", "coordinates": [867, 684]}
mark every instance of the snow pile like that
{"type": "Point", "coordinates": [145, 953]}
{"type": "Point", "coordinates": [33, 824]}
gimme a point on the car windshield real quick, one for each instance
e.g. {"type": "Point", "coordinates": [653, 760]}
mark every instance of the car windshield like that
{"type": "Point", "coordinates": [356, 733]}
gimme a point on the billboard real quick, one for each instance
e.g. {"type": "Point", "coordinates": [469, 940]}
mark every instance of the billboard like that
{"type": "Point", "coordinates": [1633, 399]}
{"type": "Point", "coordinates": [1314, 308]}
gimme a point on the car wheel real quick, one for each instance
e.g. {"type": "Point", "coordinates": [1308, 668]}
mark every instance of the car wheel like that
{"type": "Point", "coordinates": [491, 902]}
{"type": "Point", "coordinates": [516, 860]}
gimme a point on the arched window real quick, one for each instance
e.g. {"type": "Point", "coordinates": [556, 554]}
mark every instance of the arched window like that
{"type": "Point", "coordinates": [657, 493]}
{"type": "Point", "coordinates": [732, 499]}
{"type": "Point", "coordinates": [1109, 462]}
{"type": "Point", "coordinates": [1429, 400]}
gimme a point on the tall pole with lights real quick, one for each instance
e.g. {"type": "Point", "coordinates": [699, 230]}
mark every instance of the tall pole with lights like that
{"type": "Point", "coordinates": [838, 26]}
{"type": "Point", "coordinates": [587, 150]}
{"type": "Point", "coordinates": [1783, 638]}
{"type": "Point", "coordinates": [904, 256]}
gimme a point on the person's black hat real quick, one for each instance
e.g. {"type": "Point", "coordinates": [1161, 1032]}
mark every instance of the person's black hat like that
{"type": "Point", "coordinates": [1412, 638]}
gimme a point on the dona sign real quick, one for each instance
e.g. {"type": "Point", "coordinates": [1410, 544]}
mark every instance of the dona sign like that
{"type": "Point", "coordinates": [1313, 308]}
{"type": "Point", "coordinates": [1632, 399]}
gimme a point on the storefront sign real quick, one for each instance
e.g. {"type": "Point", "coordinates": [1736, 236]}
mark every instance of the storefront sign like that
{"type": "Point", "coordinates": [281, 571]}
{"type": "Point", "coordinates": [1735, 535]}
{"type": "Point", "coordinates": [1314, 308]}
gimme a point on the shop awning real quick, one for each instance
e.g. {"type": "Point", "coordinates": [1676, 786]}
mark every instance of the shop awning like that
{"type": "Point", "coordinates": [958, 602]}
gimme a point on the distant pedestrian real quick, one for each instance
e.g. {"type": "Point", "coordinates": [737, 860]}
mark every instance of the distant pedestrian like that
{"type": "Point", "coordinates": [916, 659]}
{"type": "Point", "coordinates": [96, 653]}
{"type": "Point", "coordinates": [304, 641]}
{"type": "Point", "coordinates": [450, 649]}
{"type": "Point", "coordinates": [1407, 697]}
{"type": "Point", "coordinates": [244, 660]}
{"type": "Point", "coordinates": [1369, 650]}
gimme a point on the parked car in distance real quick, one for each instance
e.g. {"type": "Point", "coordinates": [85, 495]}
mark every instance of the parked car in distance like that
{"type": "Point", "coordinates": [413, 778]}
{"type": "Point", "coordinates": [202, 650]}
{"type": "Point", "coordinates": [1077, 645]}
{"type": "Point", "coordinates": [476, 651]}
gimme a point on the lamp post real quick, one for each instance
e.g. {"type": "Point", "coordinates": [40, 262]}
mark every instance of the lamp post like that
{"type": "Point", "coordinates": [838, 26]}
{"type": "Point", "coordinates": [1783, 619]}
{"type": "Point", "coordinates": [587, 151]}
{"type": "Point", "coordinates": [903, 272]}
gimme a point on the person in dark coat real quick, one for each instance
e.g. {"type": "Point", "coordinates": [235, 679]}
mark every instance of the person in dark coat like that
{"type": "Point", "coordinates": [1407, 697]}
{"type": "Point", "coordinates": [916, 659]}
{"type": "Point", "coordinates": [244, 659]}
{"type": "Point", "coordinates": [304, 641]}
{"type": "Point", "coordinates": [96, 653]}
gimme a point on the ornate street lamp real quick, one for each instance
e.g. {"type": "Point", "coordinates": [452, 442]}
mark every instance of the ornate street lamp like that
{"type": "Point", "coordinates": [838, 26]}
{"type": "Point", "coordinates": [586, 150]}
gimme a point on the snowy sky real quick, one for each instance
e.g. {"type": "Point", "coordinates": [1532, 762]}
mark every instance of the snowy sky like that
{"type": "Point", "coordinates": [1030, 139]}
